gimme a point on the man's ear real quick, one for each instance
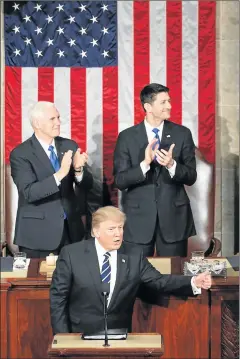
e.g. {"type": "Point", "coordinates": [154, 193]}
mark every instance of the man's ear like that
{"type": "Point", "coordinates": [148, 107]}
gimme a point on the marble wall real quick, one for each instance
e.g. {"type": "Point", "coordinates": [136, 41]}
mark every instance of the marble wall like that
{"type": "Point", "coordinates": [227, 127]}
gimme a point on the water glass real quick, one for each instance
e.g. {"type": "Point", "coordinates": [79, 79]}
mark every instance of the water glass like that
{"type": "Point", "coordinates": [19, 260]}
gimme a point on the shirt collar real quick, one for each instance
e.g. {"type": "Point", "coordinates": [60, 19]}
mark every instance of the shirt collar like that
{"type": "Point", "coordinates": [100, 250]}
{"type": "Point", "coordinates": [46, 145]}
{"type": "Point", "coordinates": [150, 127]}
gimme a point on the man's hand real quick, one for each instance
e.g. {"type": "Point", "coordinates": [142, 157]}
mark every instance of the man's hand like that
{"type": "Point", "coordinates": [79, 159]}
{"type": "Point", "coordinates": [65, 165]}
{"type": "Point", "coordinates": [165, 158]}
{"type": "Point", "coordinates": [203, 280]}
{"type": "Point", "coordinates": [149, 152]}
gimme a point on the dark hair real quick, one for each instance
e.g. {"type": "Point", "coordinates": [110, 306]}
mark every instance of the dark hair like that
{"type": "Point", "coordinates": [150, 91]}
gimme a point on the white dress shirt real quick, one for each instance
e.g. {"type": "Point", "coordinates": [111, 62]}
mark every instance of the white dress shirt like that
{"type": "Point", "coordinates": [151, 136]}
{"type": "Point", "coordinates": [45, 146]}
{"type": "Point", "coordinates": [113, 263]}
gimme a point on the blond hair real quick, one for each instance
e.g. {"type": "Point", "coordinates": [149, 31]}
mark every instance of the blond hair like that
{"type": "Point", "coordinates": [107, 213]}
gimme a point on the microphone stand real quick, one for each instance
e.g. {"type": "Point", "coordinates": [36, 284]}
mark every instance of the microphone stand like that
{"type": "Point", "coordinates": [105, 295]}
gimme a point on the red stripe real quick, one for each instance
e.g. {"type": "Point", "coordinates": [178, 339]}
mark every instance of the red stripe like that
{"type": "Point", "coordinates": [110, 129]}
{"type": "Point", "coordinates": [78, 106]}
{"type": "Point", "coordinates": [141, 54]}
{"type": "Point", "coordinates": [13, 109]}
{"type": "Point", "coordinates": [46, 84]}
{"type": "Point", "coordinates": [207, 79]}
{"type": "Point", "coordinates": [174, 58]}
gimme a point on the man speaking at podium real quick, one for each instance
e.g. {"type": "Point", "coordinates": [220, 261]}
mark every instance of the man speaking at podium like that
{"type": "Point", "coordinates": [82, 268]}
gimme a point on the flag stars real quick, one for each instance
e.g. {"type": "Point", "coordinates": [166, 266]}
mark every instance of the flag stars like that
{"type": "Point", "coordinates": [94, 42]}
{"type": "Point", "coordinates": [104, 7]}
{"type": "Point", "coordinates": [83, 31]}
{"type": "Point", "coordinates": [71, 19]}
{"type": "Point", "coordinates": [60, 30]}
{"type": "Point", "coordinates": [105, 31]}
{"type": "Point", "coordinates": [38, 30]}
{"type": "Point", "coordinates": [60, 53]}
{"type": "Point", "coordinates": [49, 19]}
{"type": "Point", "coordinates": [82, 7]}
{"type": "Point", "coordinates": [16, 6]}
{"type": "Point", "coordinates": [94, 19]}
{"type": "Point", "coordinates": [27, 18]}
{"type": "Point", "coordinates": [71, 42]}
{"type": "Point", "coordinates": [38, 7]}
{"type": "Point", "coordinates": [60, 7]}
{"type": "Point", "coordinates": [38, 53]}
{"type": "Point", "coordinates": [83, 54]}
{"type": "Point", "coordinates": [28, 41]}
{"type": "Point", "coordinates": [49, 42]}
{"type": "Point", "coordinates": [17, 52]}
{"type": "Point", "coordinates": [16, 29]}
{"type": "Point", "coordinates": [105, 54]}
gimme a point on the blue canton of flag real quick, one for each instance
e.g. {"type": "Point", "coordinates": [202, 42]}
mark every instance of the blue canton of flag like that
{"type": "Point", "coordinates": [64, 34]}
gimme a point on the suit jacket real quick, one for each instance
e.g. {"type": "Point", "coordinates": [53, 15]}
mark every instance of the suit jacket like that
{"type": "Point", "coordinates": [157, 193]}
{"type": "Point", "coordinates": [41, 203]}
{"type": "Point", "coordinates": [76, 299]}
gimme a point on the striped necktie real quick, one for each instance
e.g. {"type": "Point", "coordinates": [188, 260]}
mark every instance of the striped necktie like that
{"type": "Point", "coordinates": [157, 144]}
{"type": "Point", "coordinates": [106, 269]}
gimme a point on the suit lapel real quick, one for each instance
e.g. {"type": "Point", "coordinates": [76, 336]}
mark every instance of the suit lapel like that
{"type": "Point", "coordinates": [39, 152]}
{"type": "Point", "coordinates": [93, 266]}
{"type": "Point", "coordinates": [122, 273]}
{"type": "Point", "coordinates": [141, 140]}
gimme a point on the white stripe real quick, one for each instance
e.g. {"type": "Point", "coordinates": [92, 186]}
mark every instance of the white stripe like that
{"type": "Point", "coordinates": [106, 277]}
{"type": "Point", "coordinates": [158, 42]}
{"type": "Point", "coordinates": [125, 65]}
{"type": "Point", "coordinates": [62, 98]}
{"type": "Point", "coordinates": [105, 269]}
{"type": "Point", "coordinates": [190, 67]}
{"type": "Point", "coordinates": [29, 98]}
{"type": "Point", "coordinates": [125, 68]}
{"type": "Point", "coordinates": [95, 128]}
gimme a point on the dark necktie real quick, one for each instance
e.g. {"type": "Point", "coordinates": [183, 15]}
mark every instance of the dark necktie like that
{"type": "Point", "coordinates": [106, 269]}
{"type": "Point", "coordinates": [53, 158]}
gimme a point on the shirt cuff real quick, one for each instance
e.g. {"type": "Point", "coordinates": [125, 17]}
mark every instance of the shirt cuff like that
{"type": "Point", "coordinates": [79, 177]}
{"type": "Point", "coordinates": [144, 167]}
{"type": "Point", "coordinates": [57, 181]}
{"type": "Point", "coordinates": [172, 169]}
{"type": "Point", "coordinates": [195, 289]}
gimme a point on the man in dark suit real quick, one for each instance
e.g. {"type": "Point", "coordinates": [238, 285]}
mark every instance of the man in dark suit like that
{"type": "Point", "coordinates": [45, 168]}
{"type": "Point", "coordinates": [76, 300]}
{"type": "Point", "coordinates": [152, 162]}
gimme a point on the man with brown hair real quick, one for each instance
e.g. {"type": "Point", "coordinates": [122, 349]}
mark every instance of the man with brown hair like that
{"type": "Point", "coordinates": [76, 291]}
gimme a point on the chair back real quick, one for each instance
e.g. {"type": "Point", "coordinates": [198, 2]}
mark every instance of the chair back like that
{"type": "Point", "coordinates": [201, 195]}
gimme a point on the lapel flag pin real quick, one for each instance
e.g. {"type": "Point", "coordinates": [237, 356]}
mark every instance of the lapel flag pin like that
{"type": "Point", "coordinates": [168, 136]}
{"type": "Point", "coordinates": [123, 260]}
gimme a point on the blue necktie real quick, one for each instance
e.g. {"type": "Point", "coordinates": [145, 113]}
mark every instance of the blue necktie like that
{"type": "Point", "coordinates": [157, 144]}
{"type": "Point", "coordinates": [106, 269]}
{"type": "Point", "coordinates": [53, 158]}
{"type": "Point", "coordinates": [55, 163]}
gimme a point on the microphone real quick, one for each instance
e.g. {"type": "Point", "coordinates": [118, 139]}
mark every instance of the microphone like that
{"type": "Point", "coordinates": [105, 292]}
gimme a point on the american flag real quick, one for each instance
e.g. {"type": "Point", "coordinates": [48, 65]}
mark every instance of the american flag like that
{"type": "Point", "coordinates": [93, 58]}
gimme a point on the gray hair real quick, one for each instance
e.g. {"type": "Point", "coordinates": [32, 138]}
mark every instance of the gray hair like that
{"type": "Point", "coordinates": [38, 110]}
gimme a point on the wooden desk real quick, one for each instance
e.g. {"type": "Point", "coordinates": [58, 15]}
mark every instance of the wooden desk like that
{"type": "Point", "coordinates": [196, 328]}
{"type": "Point", "coordinates": [136, 346]}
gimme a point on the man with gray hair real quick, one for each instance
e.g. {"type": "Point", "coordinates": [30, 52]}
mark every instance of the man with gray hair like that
{"type": "Point", "coordinates": [44, 169]}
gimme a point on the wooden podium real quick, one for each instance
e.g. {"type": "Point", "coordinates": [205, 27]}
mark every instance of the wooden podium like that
{"type": "Point", "coordinates": [135, 346]}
